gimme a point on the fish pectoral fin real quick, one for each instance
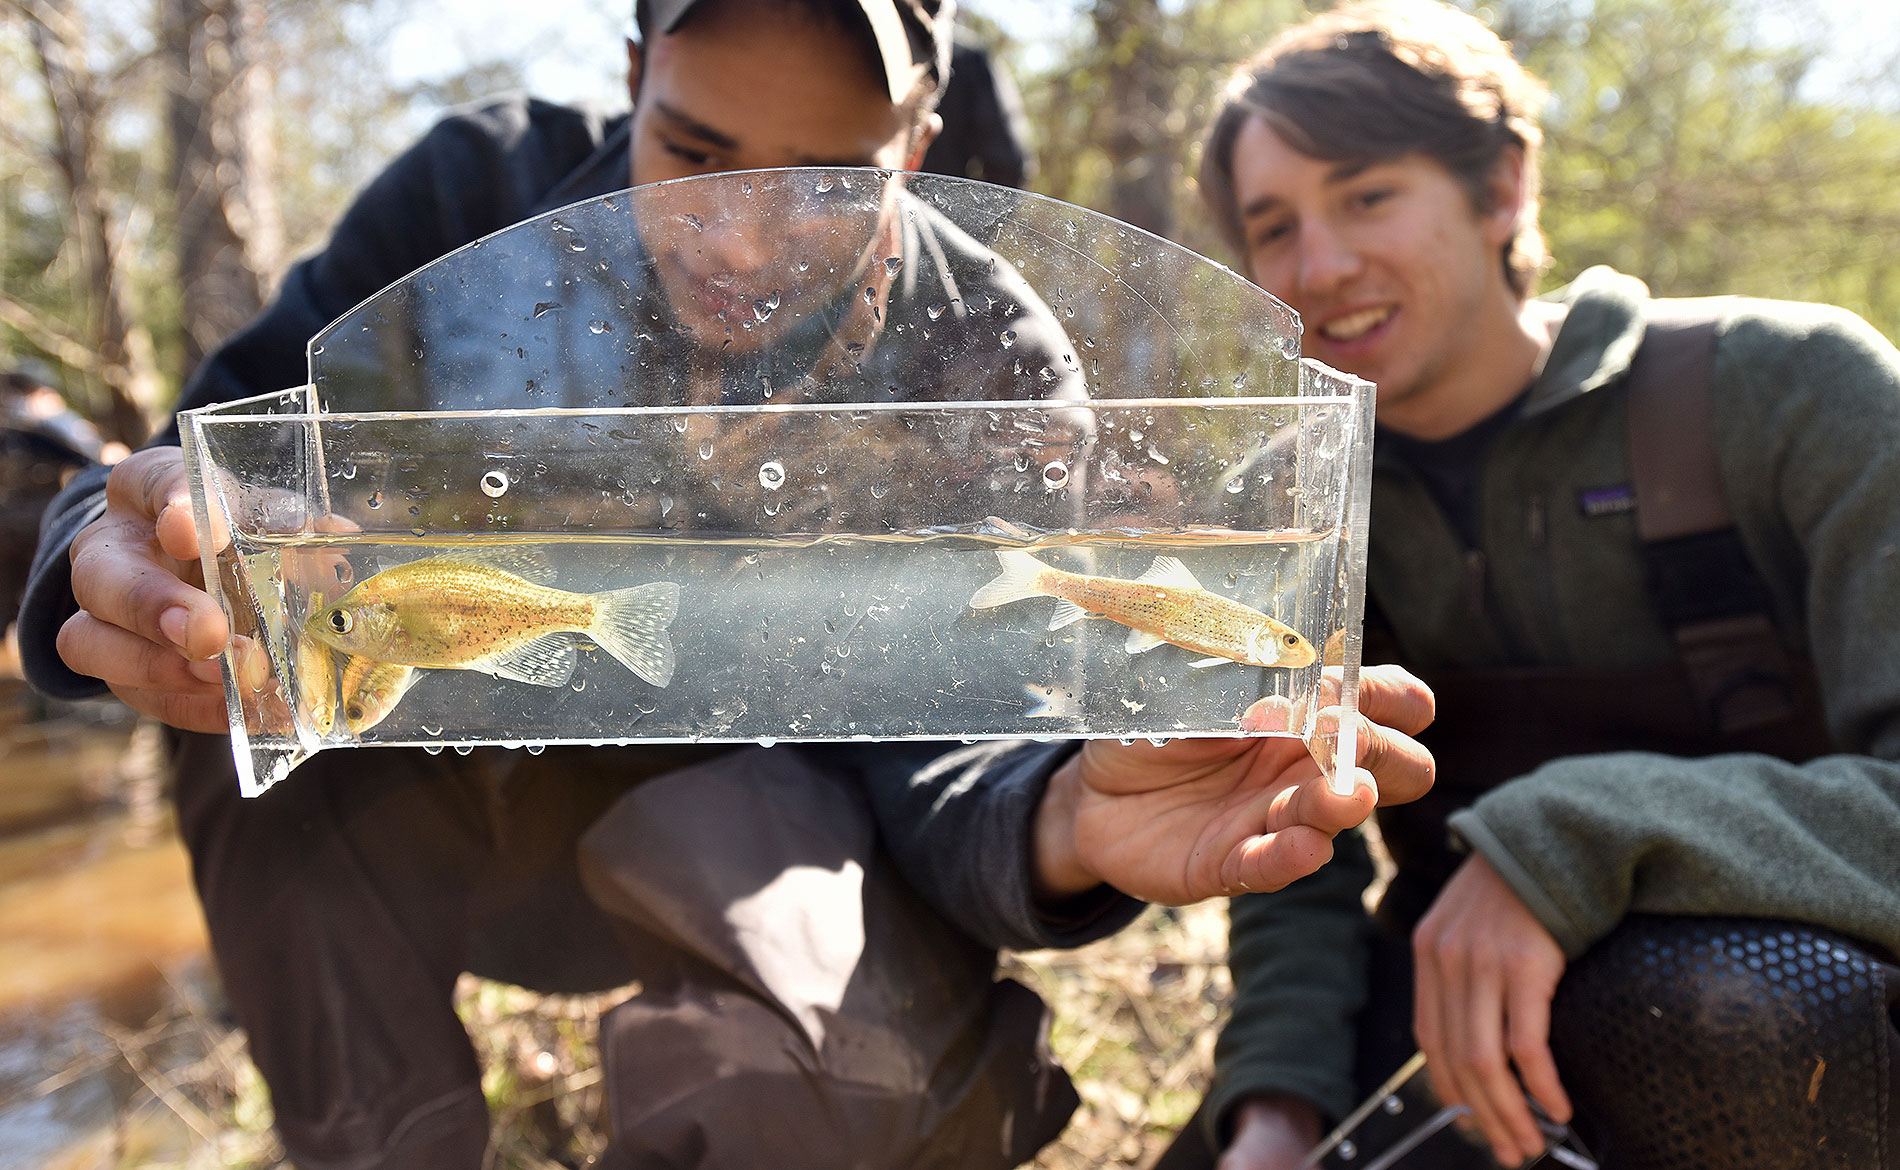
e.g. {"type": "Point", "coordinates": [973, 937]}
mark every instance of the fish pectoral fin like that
{"type": "Point", "coordinates": [1140, 642]}
{"type": "Point", "coordinates": [1204, 663]}
{"type": "Point", "coordinates": [1067, 614]}
{"type": "Point", "coordinates": [1169, 571]}
{"type": "Point", "coordinates": [548, 661]}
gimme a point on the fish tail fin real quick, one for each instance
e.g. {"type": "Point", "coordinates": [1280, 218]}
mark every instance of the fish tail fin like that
{"type": "Point", "coordinates": [1017, 581]}
{"type": "Point", "coordinates": [632, 626]}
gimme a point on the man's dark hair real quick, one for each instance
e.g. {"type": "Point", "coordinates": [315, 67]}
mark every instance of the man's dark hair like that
{"type": "Point", "coordinates": [1371, 82]}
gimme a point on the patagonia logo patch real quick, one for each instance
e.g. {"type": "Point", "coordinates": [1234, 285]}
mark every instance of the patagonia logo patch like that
{"type": "Point", "coordinates": [1607, 501]}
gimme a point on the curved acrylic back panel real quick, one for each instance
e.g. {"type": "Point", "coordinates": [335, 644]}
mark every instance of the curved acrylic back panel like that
{"type": "Point", "coordinates": [789, 455]}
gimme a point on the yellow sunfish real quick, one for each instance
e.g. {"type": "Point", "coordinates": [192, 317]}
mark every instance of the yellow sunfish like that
{"type": "Point", "coordinates": [316, 678]}
{"type": "Point", "coordinates": [451, 613]}
{"type": "Point", "coordinates": [1165, 604]}
{"type": "Point", "coordinates": [371, 690]}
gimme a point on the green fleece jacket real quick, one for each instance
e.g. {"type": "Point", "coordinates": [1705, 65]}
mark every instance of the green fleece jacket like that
{"type": "Point", "coordinates": [1806, 402]}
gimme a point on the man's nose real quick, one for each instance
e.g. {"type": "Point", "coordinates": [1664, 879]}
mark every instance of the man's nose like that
{"type": "Point", "coordinates": [736, 240]}
{"type": "Point", "coordinates": [1327, 258]}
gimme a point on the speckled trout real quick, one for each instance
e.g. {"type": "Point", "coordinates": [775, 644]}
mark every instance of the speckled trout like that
{"type": "Point", "coordinates": [463, 614]}
{"type": "Point", "coordinates": [1165, 604]}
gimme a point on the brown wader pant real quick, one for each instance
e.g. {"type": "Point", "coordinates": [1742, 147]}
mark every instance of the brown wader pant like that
{"type": "Point", "coordinates": [799, 1006]}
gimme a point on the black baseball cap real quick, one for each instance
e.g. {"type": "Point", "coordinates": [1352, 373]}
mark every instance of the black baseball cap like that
{"type": "Point", "coordinates": [908, 34]}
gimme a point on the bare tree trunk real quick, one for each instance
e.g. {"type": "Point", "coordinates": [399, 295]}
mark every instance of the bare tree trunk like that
{"type": "Point", "coordinates": [127, 380]}
{"type": "Point", "coordinates": [229, 232]}
{"type": "Point", "coordinates": [1136, 138]}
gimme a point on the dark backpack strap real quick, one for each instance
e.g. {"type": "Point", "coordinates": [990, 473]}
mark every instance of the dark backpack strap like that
{"type": "Point", "coordinates": [1706, 590]}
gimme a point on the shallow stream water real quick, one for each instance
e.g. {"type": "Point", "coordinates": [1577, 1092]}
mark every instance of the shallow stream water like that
{"type": "Point", "coordinates": [99, 936]}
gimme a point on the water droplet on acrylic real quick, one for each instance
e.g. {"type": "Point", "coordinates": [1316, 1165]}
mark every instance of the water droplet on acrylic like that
{"type": "Point", "coordinates": [1022, 461]}
{"type": "Point", "coordinates": [1240, 381]}
{"type": "Point", "coordinates": [543, 308]}
{"type": "Point", "coordinates": [679, 423]}
{"type": "Point", "coordinates": [1347, 1150]}
{"type": "Point", "coordinates": [764, 307]}
{"type": "Point", "coordinates": [579, 684]}
{"type": "Point", "coordinates": [434, 749]}
{"type": "Point", "coordinates": [348, 471]}
{"type": "Point", "coordinates": [1055, 474]}
{"type": "Point", "coordinates": [855, 349]}
{"type": "Point", "coordinates": [535, 749]}
{"type": "Point", "coordinates": [1393, 1105]}
{"type": "Point", "coordinates": [495, 484]}
{"type": "Point", "coordinates": [694, 222]}
{"type": "Point", "coordinates": [870, 294]}
{"type": "Point", "coordinates": [892, 264]}
{"type": "Point", "coordinates": [1235, 484]}
{"type": "Point", "coordinates": [936, 311]}
{"type": "Point", "coordinates": [880, 490]}
{"type": "Point", "coordinates": [376, 499]}
{"type": "Point", "coordinates": [464, 749]}
{"type": "Point", "coordinates": [1290, 347]}
{"type": "Point", "coordinates": [577, 245]}
{"type": "Point", "coordinates": [599, 327]}
{"type": "Point", "coordinates": [1046, 374]}
{"type": "Point", "coordinates": [1007, 337]}
{"type": "Point", "coordinates": [427, 730]}
{"type": "Point", "coordinates": [825, 184]}
{"type": "Point", "coordinates": [705, 449]}
{"type": "Point", "coordinates": [772, 475]}
{"type": "Point", "coordinates": [767, 741]}
{"type": "Point", "coordinates": [666, 506]}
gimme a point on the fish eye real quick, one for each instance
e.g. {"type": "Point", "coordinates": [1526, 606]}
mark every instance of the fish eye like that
{"type": "Point", "coordinates": [340, 620]}
{"type": "Point", "coordinates": [1291, 639]}
{"type": "Point", "coordinates": [354, 711]}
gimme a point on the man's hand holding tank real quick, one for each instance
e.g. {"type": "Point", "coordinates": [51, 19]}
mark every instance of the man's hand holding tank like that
{"type": "Point", "coordinates": [1199, 818]}
{"type": "Point", "coordinates": [145, 625]}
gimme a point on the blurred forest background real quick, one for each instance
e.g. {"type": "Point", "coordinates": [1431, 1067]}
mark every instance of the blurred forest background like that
{"type": "Point", "coordinates": [163, 161]}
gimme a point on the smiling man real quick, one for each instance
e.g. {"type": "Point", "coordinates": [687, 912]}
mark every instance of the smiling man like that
{"type": "Point", "coordinates": [813, 928]}
{"type": "Point", "coordinates": [1642, 550]}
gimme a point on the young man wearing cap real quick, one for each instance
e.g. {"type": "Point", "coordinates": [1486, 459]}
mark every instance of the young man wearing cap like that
{"type": "Point", "coordinates": [1643, 550]}
{"type": "Point", "coordinates": [792, 915]}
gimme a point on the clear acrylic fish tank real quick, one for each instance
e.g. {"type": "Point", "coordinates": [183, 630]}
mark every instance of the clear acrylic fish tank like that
{"type": "Point", "coordinates": [811, 454]}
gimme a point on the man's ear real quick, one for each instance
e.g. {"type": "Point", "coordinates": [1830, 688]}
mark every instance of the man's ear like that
{"type": "Point", "coordinates": [636, 58]}
{"type": "Point", "coordinates": [1504, 196]}
{"type": "Point", "coordinates": [927, 132]}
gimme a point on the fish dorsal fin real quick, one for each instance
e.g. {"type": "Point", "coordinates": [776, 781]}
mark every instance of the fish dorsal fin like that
{"type": "Point", "coordinates": [1067, 614]}
{"type": "Point", "coordinates": [1140, 641]}
{"type": "Point", "coordinates": [528, 564]}
{"type": "Point", "coordinates": [548, 661]}
{"type": "Point", "coordinates": [1169, 571]}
